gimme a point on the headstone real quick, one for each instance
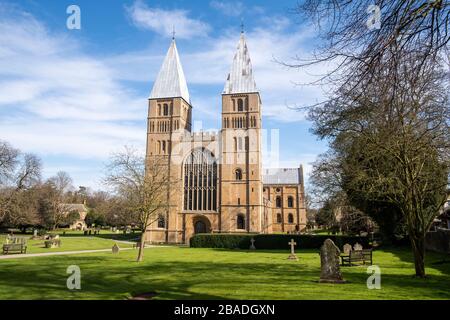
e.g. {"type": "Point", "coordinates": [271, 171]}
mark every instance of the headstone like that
{"type": "Point", "coordinates": [357, 247]}
{"type": "Point", "coordinates": [292, 256]}
{"type": "Point", "coordinates": [347, 248]}
{"type": "Point", "coordinates": [330, 271]}
{"type": "Point", "coordinates": [35, 233]}
{"type": "Point", "coordinates": [115, 248]}
{"type": "Point", "coordinates": [252, 246]}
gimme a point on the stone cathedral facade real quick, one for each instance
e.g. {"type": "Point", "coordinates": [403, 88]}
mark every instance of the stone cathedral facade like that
{"type": "Point", "coordinates": [220, 185]}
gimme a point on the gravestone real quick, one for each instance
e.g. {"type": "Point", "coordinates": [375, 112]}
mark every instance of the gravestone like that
{"type": "Point", "coordinates": [330, 271]}
{"type": "Point", "coordinates": [292, 256]}
{"type": "Point", "coordinates": [35, 233]}
{"type": "Point", "coordinates": [357, 247]}
{"type": "Point", "coordinates": [347, 248]}
{"type": "Point", "coordinates": [252, 246]}
{"type": "Point", "coordinates": [115, 248]}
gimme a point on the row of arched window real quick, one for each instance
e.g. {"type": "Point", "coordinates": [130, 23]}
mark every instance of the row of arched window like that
{"type": "Point", "coordinates": [163, 126]}
{"type": "Point", "coordinates": [165, 110]}
{"type": "Point", "coordinates": [279, 202]}
{"type": "Point", "coordinates": [290, 218]}
{"type": "Point", "coordinates": [240, 122]}
{"type": "Point", "coordinates": [241, 104]}
{"type": "Point", "coordinates": [162, 147]}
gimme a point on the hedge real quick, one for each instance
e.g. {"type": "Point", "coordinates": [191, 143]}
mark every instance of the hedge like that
{"type": "Point", "coordinates": [271, 241]}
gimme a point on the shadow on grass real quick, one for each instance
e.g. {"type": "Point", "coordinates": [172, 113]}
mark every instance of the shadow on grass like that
{"type": "Point", "coordinates": [180, 274]}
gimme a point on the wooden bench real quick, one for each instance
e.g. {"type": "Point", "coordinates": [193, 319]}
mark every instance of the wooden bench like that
{"type": "Point", "coordinates": [14, 247]}
{"type": "Point", "coordinates": [356, 257]}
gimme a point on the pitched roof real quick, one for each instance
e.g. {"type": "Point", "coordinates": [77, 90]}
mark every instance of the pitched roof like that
{"type": "Point", "coordinates": [282, 176]}
{"type": "Point", "coordinates": [170, 82]}
{"type": "Point", "coordinates": [240, 79]}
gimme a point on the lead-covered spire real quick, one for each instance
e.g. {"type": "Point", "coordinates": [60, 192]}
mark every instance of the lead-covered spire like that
{"type": "Point", "coordinates": [170, 82]}
{"type": "Point", "coordinates": [240, 79]}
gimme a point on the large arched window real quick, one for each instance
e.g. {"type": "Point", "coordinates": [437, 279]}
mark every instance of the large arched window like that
{"type": "Point", "coordinates": [200, 181]}
{"type": "Point", "coordinates": [238, 174]}
{"type": "Point", "coordinates": [278, 202]}
{"type": "Point", "coordinates": [290, 218]}
{"type": "Point", "coordinates": [240, 222]}
{"type": "Point", "coordinates": [290, 202]}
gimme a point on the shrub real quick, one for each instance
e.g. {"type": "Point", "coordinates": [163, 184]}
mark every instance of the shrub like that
{"type": "Point", "coordinates": [271, 241]}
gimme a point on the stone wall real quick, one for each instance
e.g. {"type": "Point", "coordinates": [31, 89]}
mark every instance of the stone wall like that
{"type": "Point", "coordinates": [438, 241]}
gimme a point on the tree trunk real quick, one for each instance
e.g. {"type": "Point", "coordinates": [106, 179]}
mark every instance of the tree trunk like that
{"type": "Point", "coordinates": [141, 248]}
{"type": "Point", "coordinates": [418, 247]}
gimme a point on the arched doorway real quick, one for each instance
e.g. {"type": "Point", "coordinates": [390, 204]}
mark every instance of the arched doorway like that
{"type": "Point", "coordinates": [200, 227]}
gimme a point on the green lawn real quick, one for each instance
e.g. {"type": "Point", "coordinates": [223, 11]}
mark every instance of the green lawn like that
{"type": "Point", "coordinates": [69, 244]}
{"type": "Point", "coordinates": [187, 273]}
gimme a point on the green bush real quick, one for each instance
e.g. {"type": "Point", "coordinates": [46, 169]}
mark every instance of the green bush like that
{"type": "Point", "coordinates": [271, 241]}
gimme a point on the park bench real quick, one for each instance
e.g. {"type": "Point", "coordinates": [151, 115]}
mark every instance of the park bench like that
{"type": "Point", "coordinates": [14, 247]}
{"type": "Point", "coordinates": [357, 257]}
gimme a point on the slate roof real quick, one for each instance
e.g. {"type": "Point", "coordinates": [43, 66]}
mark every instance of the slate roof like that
{"type": "Point", "coordinates": [170, 82]}
{"type": "Point", "coordinates": [282, 176]}
{"type": "Point", "coordinates": [240, 79]}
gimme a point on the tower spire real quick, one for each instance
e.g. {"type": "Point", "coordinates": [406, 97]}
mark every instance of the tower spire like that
{"type": "Point", "coordinates": [242, 25]}
{"type": "Point", "coordinates": [170, 82]}
{"type": "Point", "coordinates": [240, 79]}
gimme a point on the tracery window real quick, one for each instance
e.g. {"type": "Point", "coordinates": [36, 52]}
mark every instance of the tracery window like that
{"type": "Point", "coordinates": [200, 181]}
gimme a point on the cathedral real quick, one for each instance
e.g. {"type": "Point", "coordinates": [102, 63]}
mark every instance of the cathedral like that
{"type": "Point", "coordinates": [220, 183]}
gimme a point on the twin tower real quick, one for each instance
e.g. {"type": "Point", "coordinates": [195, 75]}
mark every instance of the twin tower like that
{"type": "Point", "coordinates": [217, 177]}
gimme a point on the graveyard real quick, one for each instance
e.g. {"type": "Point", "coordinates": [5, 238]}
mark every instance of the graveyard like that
{"type": "Point", "coordinates": [199, 273]}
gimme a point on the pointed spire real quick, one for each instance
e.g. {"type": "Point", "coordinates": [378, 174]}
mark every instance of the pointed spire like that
{"type": "Point", "coordinates": [240, 79]}
{"type": "Point", "coordinates": [170, 82]}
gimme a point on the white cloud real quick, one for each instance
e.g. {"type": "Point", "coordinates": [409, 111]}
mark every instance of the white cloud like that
{"type": "Point", "coordinates": [163, 21]}
{"type": "Point", "coordinates": [57, 101]}
{"type": "Point", "coordinates": [209, 63]}
{"type": "Point", "coordinates": [228, 8]}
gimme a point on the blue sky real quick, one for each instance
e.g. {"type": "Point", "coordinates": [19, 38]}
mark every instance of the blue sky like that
{"type": "Point", "coordinates": [75, 96]}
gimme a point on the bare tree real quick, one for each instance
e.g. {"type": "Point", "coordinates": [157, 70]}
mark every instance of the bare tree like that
{"type": "Point", "coordinates": [60, 185]}
{"type": "Point", "coordinates": [8, 160]}
{"type": "Point", "coordinates": [360, 46]}
{"type": "Point", "coordinates": [143, 186]}
{"type": "Point", "coordinates": [18, 173]}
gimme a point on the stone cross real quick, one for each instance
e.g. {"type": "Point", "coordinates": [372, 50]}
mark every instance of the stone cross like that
{"type": "Point", "coordinates": [115, 248]}
{"type": "Point", "coordinates": [292, 256]}
{"type": "Point", "coordinates": [347, 248]}
{"type": "Point", "coordinates": [252, 246]}
{"type": "Point", "coordinates": [330, 271]}
{"type": "Point", "coordinates": [357, 247]}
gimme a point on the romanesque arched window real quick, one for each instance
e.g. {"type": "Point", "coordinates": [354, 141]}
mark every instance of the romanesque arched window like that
{"type": "Point", "coordinates": [240, 222]}
{"type": "Point", "coordinates": [290, 218]}
{"type": "Point", "coordinates": [166, 109]}
{"type": "Point", "coordinates": [279, 218]}
{"type": "Point", "coordinates": [278, 202]}
{"type": "Point", "coordinates": [200, 181]}
{"type": "Point", "coordinates": [240, 105]}
{"type": "Point", "coordinates": [290, 202]}
{"type": "Point", "coordinates": [238, 174]}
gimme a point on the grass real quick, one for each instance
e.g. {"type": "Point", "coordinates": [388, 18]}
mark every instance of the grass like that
{"type": "Point", "coordinates": [188, 273]}
{"type": "Point", "coordinates": [69, 243]}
